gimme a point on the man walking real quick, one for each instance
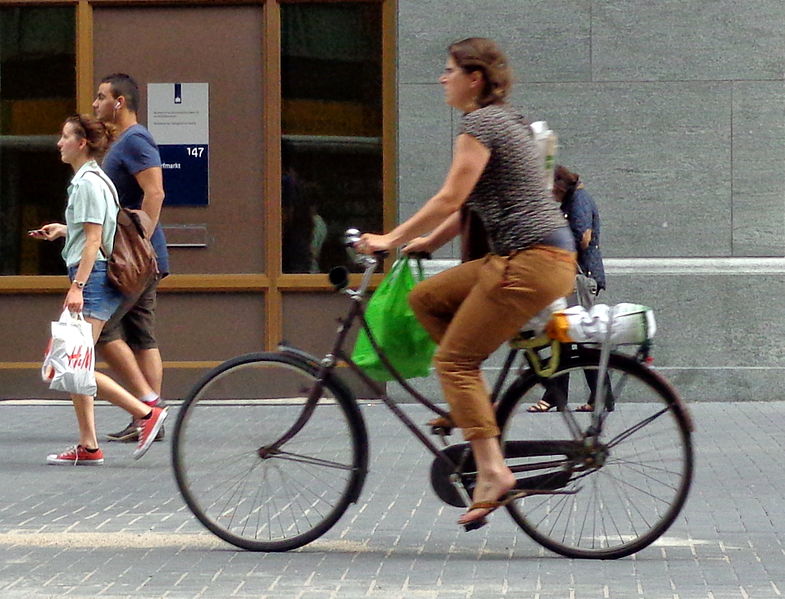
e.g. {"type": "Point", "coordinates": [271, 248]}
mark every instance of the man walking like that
{"type": "Point", "coordinates": [128, 342]}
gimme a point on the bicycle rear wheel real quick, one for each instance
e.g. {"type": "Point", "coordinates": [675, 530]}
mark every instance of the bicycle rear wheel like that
{"type": "Point", "coordinates": [235, 476]}
{"type": "Point", "coordinates": [621, 497]}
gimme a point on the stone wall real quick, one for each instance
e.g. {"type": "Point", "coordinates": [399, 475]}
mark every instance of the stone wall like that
{"type": "Point", "coordinates": [674, 114]}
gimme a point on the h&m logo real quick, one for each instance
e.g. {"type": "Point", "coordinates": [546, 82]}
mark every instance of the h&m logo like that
{"type": "Point", "coordinates": [82, 357]}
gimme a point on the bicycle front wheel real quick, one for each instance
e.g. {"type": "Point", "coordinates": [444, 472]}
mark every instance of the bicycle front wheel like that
{"type": "Point", "coordinates": [258, 464]}
{"type": "Point", "coordinates": [619, 497]}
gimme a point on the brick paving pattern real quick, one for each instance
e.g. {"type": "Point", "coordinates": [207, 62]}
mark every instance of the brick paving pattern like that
{"type": "Point", "coordinates": [122, 530]}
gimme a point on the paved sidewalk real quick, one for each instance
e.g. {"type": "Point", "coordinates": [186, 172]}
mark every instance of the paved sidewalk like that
{"type": "Point", "coordinates": [122, 530]}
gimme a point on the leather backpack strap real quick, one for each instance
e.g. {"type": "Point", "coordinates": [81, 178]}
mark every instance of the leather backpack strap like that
{"type": "Point", "coordinates": [112, 190]}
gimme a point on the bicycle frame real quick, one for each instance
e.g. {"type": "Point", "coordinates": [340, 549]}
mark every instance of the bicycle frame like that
{"type": "Point", "coordinates": [338, 354]}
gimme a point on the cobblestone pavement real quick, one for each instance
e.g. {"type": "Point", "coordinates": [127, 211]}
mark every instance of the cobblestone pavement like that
{"type": "Point", "coordinates": [122, 530]}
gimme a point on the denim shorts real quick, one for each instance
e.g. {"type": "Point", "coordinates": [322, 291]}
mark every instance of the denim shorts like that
{"type": "Point", "coordinates": [101, 298]}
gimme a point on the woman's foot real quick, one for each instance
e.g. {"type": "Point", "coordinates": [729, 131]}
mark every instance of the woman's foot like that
{"type": "Point", "coordinates": [541, 406]}
{"type": "Point", "coordinates": [490, 493]}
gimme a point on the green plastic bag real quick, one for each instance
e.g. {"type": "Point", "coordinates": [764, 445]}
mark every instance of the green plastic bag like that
{"type": "Point", "coordinates": [395, 328]}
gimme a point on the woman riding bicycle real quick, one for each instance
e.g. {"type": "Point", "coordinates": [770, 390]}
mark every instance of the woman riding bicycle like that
{"type": "Point", "coordinates": [471, 309]}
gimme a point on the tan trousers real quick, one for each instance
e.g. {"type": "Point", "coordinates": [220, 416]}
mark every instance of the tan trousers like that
{"type": "Point", "coordinates": [470, 310]}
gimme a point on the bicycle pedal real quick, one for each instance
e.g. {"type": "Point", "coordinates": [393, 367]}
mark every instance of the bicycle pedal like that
{"type": "Point", "coordinates": [475, 524]}
{"type": "Point", "coordinates": [441, 431]}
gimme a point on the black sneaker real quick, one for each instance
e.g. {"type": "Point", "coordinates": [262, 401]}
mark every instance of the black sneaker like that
{"type": "Point", "coordinates": [130, 434]}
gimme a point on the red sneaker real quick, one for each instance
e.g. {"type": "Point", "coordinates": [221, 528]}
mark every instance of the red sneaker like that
{"type": "Point", "coordinates": [148, 429]}
{"type": "Point", "coordinates": [76, 456]}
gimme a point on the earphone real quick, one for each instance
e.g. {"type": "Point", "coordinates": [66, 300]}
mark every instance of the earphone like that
{"type": "Point", "coordinates": [117, 106]}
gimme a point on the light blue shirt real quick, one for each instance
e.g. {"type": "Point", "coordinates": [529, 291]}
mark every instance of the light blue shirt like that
{"type": "Point", "coordinates": [91, 199]}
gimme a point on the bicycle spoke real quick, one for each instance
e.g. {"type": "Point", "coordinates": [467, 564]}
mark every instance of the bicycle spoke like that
{"type": "Point", "coordinates": [585, 515]}
{"type": "Point", "coordinates": [296, 457]}
{"type": "Point", "coordinates": [631, 486]}
{"type": "Point", "coordinates": [626, 434]}
{"type": "Point", "coordinates": [642, 471]}
{"type": "Point", "coordinates": [233, 489]}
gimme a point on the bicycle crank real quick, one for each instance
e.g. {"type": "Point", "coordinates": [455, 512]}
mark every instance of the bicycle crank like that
{"type": "Point", "coordinates": [454, 483]}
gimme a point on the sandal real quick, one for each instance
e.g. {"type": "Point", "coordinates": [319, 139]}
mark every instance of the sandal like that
{"type": "Point", "coordinates": [441, 426]}
{"type": "Point", "coordinates": [440, 422]}
{"type": "Point", "coordinates": [491, 506]}
{"type": "Point", "coordinates": [541, 406]}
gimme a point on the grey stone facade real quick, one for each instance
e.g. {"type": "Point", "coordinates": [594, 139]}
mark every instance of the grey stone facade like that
{"type": "Point", "coordinates": [674, 114]}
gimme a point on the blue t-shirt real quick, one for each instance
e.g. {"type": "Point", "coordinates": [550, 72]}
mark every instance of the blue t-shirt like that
{"type": "Point", "coordinates": [135, 151]}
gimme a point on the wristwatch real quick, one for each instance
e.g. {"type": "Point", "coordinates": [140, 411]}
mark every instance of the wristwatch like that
{"type": "Point", "coordinates": [79, 284]}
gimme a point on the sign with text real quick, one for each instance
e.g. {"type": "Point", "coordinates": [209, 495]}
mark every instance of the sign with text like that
{"type": "Point", "coordinates": [179, 119]}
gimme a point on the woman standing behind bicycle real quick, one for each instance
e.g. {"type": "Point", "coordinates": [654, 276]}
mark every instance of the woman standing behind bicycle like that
{"type": "Point", "coordinates": [471, 309]}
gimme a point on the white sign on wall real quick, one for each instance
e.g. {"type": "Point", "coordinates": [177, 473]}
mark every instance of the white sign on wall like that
{"type": "Point", "coordinates": [179, 119]}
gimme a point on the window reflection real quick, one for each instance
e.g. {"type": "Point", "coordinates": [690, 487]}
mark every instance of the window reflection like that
{"type": "Point", "coordinates": [37, 92]}
{"type": "Point", "coordinates": [332, 129]}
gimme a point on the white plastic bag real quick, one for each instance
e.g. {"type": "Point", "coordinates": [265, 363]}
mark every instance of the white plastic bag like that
{"type": "Point", "coordinates": [69, 363]}
{"type": "Point", "coordinates": [632, 323]}
{"type": "Point", "coordinates": [546, 141]}
{"type": "Point", "coordinates": [537, 323]}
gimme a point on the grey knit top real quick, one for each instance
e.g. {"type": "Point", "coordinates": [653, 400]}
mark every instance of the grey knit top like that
{"type": "Point", "coordinates": [511, 197]}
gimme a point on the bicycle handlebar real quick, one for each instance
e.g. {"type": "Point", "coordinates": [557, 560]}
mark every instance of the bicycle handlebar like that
{"type": "Point", "coordinates": [352, 238]}
{"type": "Point", "coordinates": [339, 276]}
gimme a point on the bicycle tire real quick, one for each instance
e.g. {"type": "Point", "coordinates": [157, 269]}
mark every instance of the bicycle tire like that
{"type": "Point", "coordinates": [627, 502]}
{"type": "Point", "coordinates": [238, 486]}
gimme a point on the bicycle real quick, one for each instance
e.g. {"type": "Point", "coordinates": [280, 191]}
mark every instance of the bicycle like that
{"type": "Point", "coordinates": [295, 454]}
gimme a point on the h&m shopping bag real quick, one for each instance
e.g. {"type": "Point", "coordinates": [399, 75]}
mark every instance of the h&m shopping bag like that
{"type": "Point", "coordinates": [395, 328]}
{"type": "Point", "coordinates": [69, 363]}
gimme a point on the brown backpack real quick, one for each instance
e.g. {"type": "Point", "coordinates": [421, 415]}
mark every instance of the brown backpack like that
{"type": "Point", "coordinates": [132, 264]}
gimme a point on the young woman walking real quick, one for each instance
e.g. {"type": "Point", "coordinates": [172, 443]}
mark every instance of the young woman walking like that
{"type": "Point", "coordinates": [89, 229]}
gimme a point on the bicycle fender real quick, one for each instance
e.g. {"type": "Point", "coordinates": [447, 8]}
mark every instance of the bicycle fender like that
{"type": "Point", "coordinates": [312, 360]}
